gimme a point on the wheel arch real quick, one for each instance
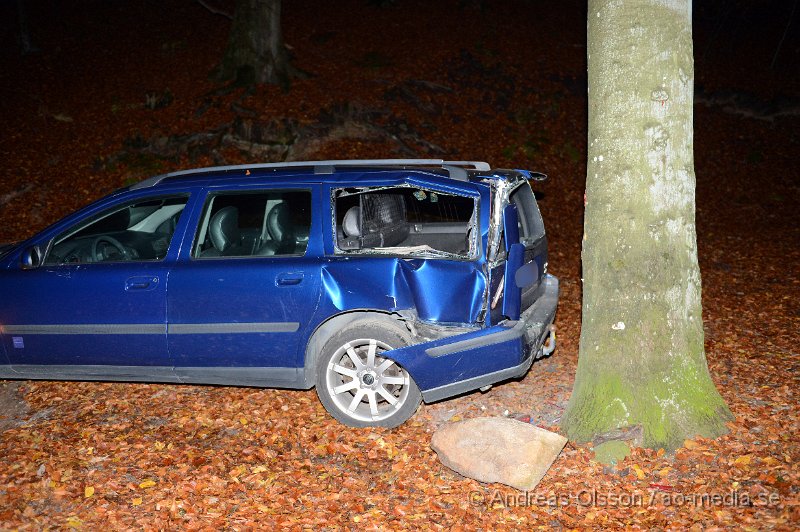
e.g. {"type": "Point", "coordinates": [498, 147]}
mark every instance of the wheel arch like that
{"type": "Point", "coordinates": [329, 327]}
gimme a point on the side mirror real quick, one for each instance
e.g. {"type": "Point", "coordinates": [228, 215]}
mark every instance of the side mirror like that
{"type": "Point", "coordinates": [31, 258]}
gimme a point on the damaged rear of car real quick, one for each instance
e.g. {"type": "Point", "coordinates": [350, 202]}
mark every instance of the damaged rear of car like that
{"type": "Point", "coordinates": [452, 268]}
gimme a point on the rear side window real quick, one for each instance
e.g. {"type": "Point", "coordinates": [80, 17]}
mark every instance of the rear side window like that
{"type": "Point", "coordinates": [404, 221]}
{"type": "Point", "coordinates": [531, 226]}
{"type": "Point", "coordinates": [254, 224]}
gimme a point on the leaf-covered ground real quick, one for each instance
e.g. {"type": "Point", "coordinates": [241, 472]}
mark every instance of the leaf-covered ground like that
{"type": "Point", "coordinates": [496, 81]}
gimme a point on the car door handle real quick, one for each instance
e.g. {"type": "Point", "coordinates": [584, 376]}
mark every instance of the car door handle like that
{"type": "Point", "coordinates": [141, 283]}
{"type": "Point", "coordinates": [289, 279]}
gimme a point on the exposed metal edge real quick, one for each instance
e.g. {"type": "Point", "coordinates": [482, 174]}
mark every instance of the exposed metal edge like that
{"type": "Point", "coordinates": [324, 166]}
{"type": "Point", "coordinates": [516, 173]}
{"type": "Point", "coordinates": [223, 328]}
{"type": "Point", "coordinates": [540, 314]}
{"type": "Point", "coordinates": [468, 385]}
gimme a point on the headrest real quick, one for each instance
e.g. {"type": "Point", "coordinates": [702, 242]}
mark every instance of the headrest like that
{"type": "Point", "coordinates": [279, 224]}
{"type": "Point", "coordinates": [351, 225]}
{"type": "Point", "coordinates": [224, 228]}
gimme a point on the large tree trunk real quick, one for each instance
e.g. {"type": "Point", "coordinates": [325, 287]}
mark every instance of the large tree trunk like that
{"type": "Point", "coordinates": [642, 360]}
{"type": "Point", "coordinates": [256, 52]}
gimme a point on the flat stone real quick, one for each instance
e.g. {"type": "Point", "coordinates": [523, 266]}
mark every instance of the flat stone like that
{"type": "Point", "coordinates": [497, 449]}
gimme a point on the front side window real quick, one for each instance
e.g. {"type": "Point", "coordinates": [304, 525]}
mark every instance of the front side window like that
{"type": "Point", "coordinates": [405, 221]}
{"type": "Point", "coordinates": [137, 231]}
{"type": "Point", "coordinates": [254, 224]}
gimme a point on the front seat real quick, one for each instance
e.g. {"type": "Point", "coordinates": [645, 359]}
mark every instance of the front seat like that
{"type": "Point", "coordinates": [281, 231]}
{"type": "Point", "coordinates": [224, 232]}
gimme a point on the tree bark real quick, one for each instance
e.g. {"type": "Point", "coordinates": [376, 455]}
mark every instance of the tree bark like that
{"type": "Point", "coordinates": [256, 52]}
{"type": "Point", "coordinates": [642, 360]}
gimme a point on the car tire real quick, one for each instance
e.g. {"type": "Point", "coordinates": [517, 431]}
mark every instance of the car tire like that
{"type": "Point", "coordinates": [356, 385]}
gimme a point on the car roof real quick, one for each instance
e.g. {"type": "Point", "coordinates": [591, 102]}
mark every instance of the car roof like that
{"type": "Point", "coordinates": [375, 171]}
{"type": "Point", "coordinates": [458, 176]}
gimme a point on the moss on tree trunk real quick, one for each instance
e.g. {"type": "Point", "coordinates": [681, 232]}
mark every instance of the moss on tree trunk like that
{"type": "Point", "coordinates": [642, 360]}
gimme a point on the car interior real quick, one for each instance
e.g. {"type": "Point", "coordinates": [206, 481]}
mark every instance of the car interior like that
{"type": "Point", "coordinates": [404, 220]}
{"type": "Point", "coordinates": [141, 231]}
{"type": "Point", "coordinates": [254, 225]}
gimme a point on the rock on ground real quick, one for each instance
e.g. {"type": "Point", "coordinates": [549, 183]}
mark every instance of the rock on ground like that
{"type": "Point", "coordinates": [495, 449]}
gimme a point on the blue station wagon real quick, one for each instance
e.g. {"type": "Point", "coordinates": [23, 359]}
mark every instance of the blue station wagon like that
{"type": "Point", "coordinates": [381, 283]}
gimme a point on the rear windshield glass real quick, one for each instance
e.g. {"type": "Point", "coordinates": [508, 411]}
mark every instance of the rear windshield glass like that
{"type": "Point", "coordinates": [531, 226]}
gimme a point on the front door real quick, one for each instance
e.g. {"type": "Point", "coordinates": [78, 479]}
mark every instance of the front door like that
{"type": "Point", "coordinates": [99, 298]}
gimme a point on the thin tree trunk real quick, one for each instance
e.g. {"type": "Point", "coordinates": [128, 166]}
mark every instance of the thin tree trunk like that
{"type": "Point", "coordinates": [256, 52]}
{"type": "Point", "coordinates": [25, 43]}
{"type": "Point", "coordinates": [642, 360]}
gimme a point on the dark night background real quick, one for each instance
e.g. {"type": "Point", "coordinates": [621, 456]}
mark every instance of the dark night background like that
{"type": "Point", "coordinates": [119, 90]}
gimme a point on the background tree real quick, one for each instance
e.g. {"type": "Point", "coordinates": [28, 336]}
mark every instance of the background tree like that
{"type": "Point", "coordinates": [256, 52]}
{"type": "Point", "coordinates": [25, 43]}
{"type": "Point", "coordinates": [642, 360]}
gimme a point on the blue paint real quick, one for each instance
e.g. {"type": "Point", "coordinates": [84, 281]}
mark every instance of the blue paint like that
{"type": "Point", "coordinates": [431, 372]}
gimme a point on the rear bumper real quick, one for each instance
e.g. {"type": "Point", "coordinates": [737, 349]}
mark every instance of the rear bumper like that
{"type": "Point", "coordinates": [462, 363]}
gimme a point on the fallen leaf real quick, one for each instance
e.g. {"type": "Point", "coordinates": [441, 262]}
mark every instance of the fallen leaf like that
{"type": "Point", "coordinates": [663, 487]}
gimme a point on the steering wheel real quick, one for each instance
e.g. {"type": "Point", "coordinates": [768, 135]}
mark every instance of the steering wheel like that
{"type": "Point", "coordinates": [116, 244]}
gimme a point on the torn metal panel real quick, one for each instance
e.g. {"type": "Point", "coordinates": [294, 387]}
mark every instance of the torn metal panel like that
{"type": "Point", "coordinates": [464, 362]}
{"type": "Point", "coordinates": [461, 357]}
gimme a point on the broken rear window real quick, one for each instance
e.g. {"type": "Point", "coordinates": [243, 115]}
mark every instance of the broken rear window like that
{"type": "Point", "coordinates": [404, 221]}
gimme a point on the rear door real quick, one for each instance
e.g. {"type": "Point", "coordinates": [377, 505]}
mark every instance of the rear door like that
{"type": "Point", "coordinates": [246, 287]}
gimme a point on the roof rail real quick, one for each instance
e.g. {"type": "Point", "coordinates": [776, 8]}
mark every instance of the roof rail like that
{"type": "Point", "coordinates": [457, 169]}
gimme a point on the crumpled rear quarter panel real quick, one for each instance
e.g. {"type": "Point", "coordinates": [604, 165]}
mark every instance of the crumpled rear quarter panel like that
{"type": "Point", "coordinates": [440, 291]}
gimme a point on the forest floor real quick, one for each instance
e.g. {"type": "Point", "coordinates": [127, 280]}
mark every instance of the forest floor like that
{"type": "Point", "coordinates": [446, 79]}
